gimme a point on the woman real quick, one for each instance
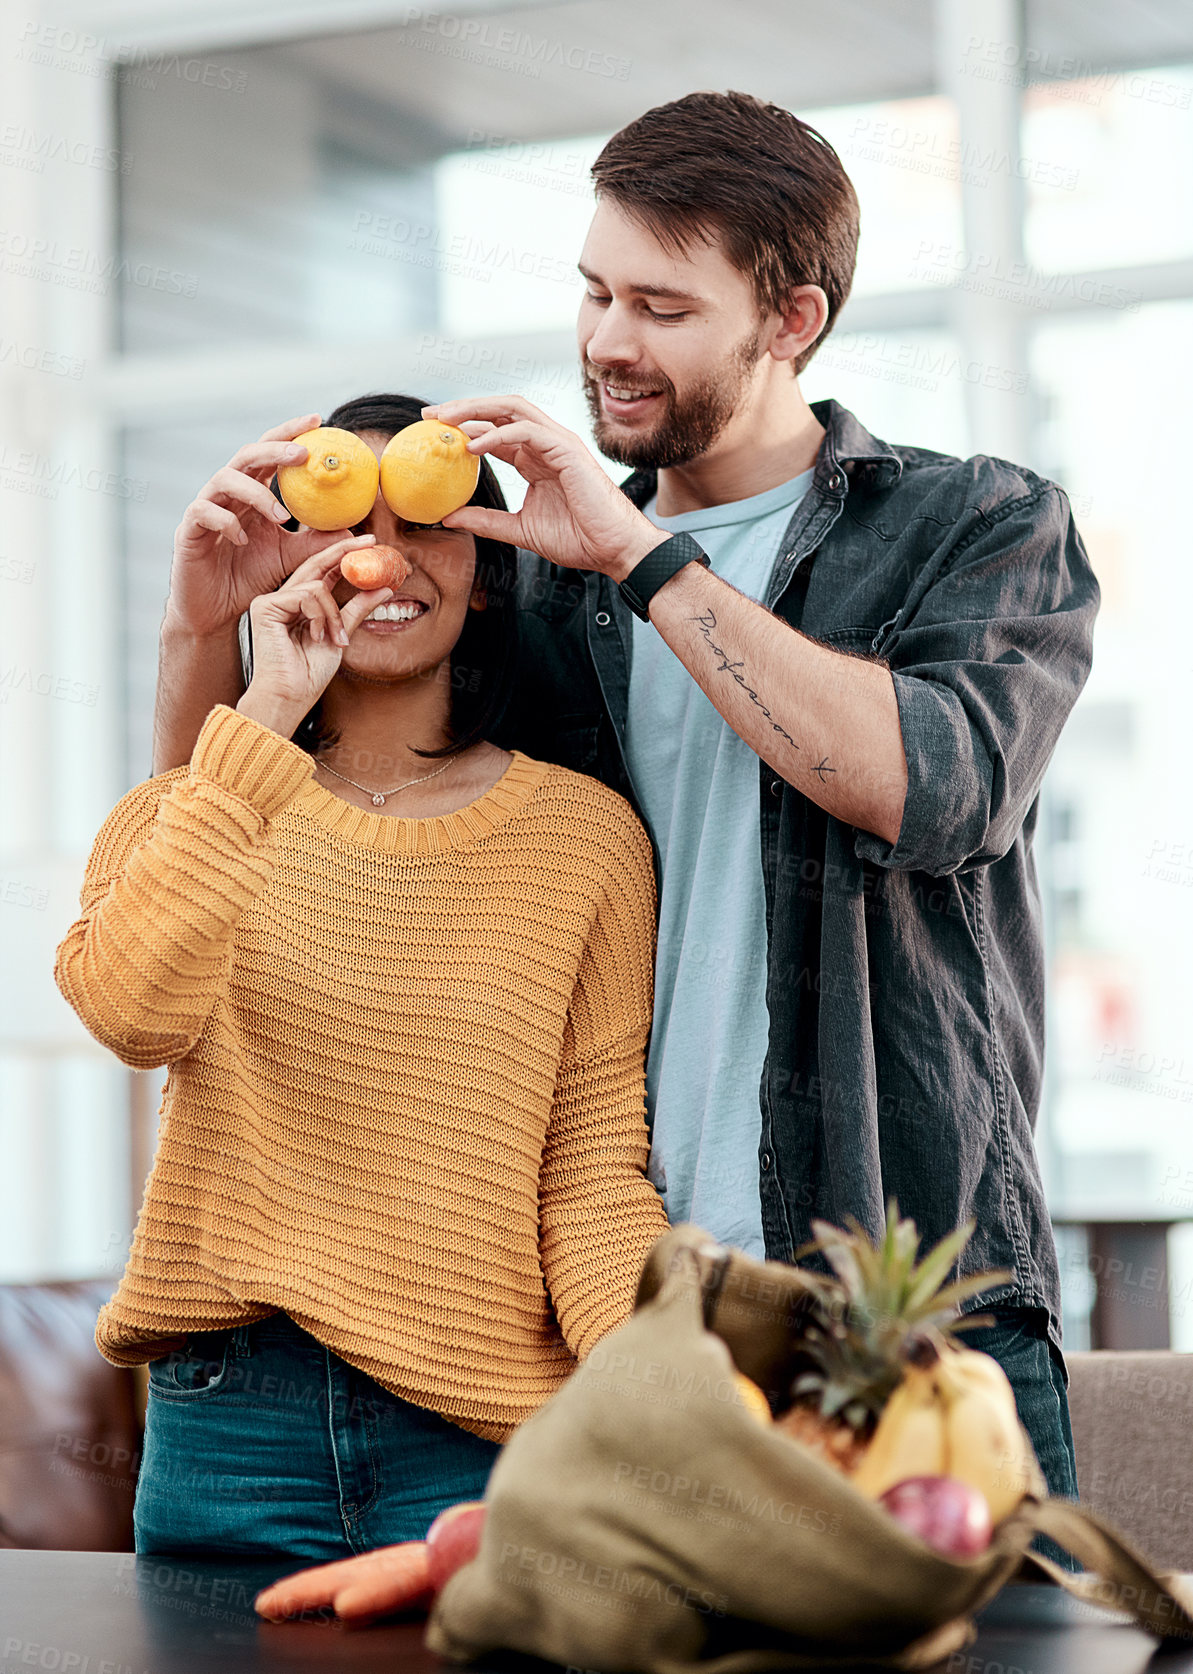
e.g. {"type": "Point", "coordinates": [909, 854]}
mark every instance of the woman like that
{"type": "Point", "coordinates": [402, 981]}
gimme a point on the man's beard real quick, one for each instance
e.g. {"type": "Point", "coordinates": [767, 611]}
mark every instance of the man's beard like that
{"type": "Point", "coordinates": [688, 426]}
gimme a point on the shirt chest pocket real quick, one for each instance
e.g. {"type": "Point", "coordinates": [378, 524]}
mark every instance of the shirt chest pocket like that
{"type": "Point", "coordinates": [865, 638]}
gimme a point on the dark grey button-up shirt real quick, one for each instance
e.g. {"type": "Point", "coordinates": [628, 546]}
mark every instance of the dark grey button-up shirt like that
{"type": "Point", "coordinates": [906, 981]}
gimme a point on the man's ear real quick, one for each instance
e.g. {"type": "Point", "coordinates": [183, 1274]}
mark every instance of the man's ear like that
{"type": "Point", "coordinates": [800, 323]}
{"type": "Point", "coordinates": [478, 599]}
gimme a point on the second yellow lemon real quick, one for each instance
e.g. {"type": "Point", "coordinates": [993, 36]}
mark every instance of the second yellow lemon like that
{"type": "Point", "coordinates": [336, 485]}
{"type": "Point", "coordinates": [427, 471]}
{"type": "Point", "coordinates": [752, 1398]}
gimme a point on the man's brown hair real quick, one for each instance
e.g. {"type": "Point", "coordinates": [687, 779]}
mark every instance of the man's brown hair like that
{"type": "Point", "coordinates": [767, 184]}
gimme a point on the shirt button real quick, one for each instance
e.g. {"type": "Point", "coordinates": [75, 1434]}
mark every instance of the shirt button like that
{"type": "Point", "coordinates": [776, 787]}
{"type": "Point", "coordinates": [765, 1160]}
{"type": "Point", "coordinates": [603, 619]}
{"type": "Point", "coordinates": [836, 481]}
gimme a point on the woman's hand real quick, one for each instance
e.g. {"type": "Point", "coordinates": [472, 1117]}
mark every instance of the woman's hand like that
{"type": "Point", "coordinates": [299, 635]}
{"type": "Point", "coordinates": [230, 547]}
{"type": "Point", "coordinates": [359, 1589]}
{"type": "Point", "coordinates": [574, 513]}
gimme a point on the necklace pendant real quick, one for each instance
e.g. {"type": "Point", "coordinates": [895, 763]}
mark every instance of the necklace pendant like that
{"type": "Point", "coordinates": [378, 800]}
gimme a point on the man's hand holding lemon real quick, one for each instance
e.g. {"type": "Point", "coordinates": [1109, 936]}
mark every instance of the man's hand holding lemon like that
{"type": "Point", "coordinates": [573, 513]}
{"type": "Point", "coordinates": [230, 546]}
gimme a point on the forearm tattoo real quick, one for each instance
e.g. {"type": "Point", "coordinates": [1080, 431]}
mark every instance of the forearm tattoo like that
{"type": "Point", "coordinates": [706, 622]}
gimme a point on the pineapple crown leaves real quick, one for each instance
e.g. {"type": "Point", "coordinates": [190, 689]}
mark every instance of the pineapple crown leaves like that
{"type": "Point", "coordinates": [876, 1282]}
{"type": "Point", "coordinates": [873, 1307]}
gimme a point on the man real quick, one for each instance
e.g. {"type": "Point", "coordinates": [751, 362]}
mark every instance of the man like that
{"type": "Point", "coordinates": [836, 732]}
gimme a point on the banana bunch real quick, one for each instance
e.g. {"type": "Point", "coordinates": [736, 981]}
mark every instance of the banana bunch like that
{"type": "Point", "coordinates": [953, 1414]}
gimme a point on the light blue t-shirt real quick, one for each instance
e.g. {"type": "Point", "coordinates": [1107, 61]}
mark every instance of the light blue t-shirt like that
{"type": "Point", "coordinates": [697, 784]}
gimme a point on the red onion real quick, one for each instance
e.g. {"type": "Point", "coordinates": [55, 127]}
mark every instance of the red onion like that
{"type": "Point", "coordinates": [947, 1515]}
{"type": "Point", "coordinates": [453, 1540]}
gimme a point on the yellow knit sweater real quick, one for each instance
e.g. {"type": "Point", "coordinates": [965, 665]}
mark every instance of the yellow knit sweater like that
{"type": "Point", "coordinates": [405, 1101]}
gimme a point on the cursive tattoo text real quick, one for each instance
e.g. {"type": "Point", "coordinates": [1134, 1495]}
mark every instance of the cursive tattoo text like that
{"type": "Point", "coordinates": [706, 623]}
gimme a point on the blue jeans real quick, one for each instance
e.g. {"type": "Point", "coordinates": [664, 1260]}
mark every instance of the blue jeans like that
{"type": "Point", "coordinates": [260, 1440]}
{"type": "Point", "coordinates": [1018, 1340]}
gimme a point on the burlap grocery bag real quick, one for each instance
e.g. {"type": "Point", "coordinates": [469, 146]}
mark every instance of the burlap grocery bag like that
{"type": "Point", "coordinates": [644, 1519]}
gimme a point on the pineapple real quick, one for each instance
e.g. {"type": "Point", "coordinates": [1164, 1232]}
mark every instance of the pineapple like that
{"type": "Point", "coordinates": [870, 1318]}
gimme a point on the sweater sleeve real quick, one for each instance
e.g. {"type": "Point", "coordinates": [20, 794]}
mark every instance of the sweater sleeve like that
{"type": "Point", "coordinates": [598, 1213]}
{"type": "Point", "coordinates": [172, 871]}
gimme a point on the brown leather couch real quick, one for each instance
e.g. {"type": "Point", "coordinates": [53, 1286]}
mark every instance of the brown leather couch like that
{"type": "Point", "coordinates": [70, 1432]}
{"type": "Point", "coordinates": [70, 1424]}
{"type": "Point", "coordinates": [1133, 1436]}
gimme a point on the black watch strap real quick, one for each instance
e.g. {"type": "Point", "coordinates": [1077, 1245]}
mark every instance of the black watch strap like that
{"type": "Point", "coordinates": [659, 565]}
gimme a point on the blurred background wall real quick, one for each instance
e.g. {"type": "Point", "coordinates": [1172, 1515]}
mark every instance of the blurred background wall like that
{"type": "Point", "coordinates": [217, 218]}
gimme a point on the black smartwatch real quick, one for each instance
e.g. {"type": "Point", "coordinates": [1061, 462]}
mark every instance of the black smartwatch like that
{"type": "Point", "coordinates": [659, 565]}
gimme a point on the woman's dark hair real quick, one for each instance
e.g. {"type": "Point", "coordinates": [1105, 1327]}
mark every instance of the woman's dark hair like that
{"type": "Point", "coordinates": [768, 185]}
{"type": "Point", "coordinates": [482, 661]}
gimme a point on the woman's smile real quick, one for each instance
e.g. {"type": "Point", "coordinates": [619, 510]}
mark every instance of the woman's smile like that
{"type": "Point", "coordinates": [394, 616]}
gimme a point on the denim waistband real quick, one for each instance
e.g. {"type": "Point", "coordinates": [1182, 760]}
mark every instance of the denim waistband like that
{"type": "Point", "coordinates": [277, 1327]}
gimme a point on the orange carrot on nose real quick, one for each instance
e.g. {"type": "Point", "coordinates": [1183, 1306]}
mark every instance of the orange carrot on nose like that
{"type": "Point", "coordinates": [375, 566]}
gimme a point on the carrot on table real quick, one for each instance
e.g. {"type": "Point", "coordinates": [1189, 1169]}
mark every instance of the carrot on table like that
{"type": "Point", "coordinates": [380, 1583]}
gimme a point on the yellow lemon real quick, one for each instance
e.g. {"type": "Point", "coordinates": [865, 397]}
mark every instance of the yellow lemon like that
{"type": "Point", "coordinates": [336, 485]}
{"type": "Point", "coordinates": [752, 1398]}
{"type": "Point", "coordinates": [427, 471]}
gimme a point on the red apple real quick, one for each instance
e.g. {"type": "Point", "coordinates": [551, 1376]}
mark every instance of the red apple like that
{"type": "Point", "coordinates": [946, 1514]}
{"type": "Point", "coordinates": [453, 1540]}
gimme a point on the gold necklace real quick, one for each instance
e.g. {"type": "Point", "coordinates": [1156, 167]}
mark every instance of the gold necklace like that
{"type": "Point", "coordinates": [380, 796]}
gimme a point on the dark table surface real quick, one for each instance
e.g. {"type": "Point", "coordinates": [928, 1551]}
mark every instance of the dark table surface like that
{"type": "Point", "coordinates": [104, 1613]}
